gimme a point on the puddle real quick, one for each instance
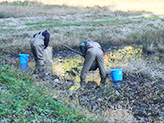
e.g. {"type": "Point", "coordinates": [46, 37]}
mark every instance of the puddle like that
{"type": "Point", "coordinates": [69, 68]}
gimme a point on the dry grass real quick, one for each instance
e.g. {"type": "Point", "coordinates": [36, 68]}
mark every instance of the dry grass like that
{"type": "Point", "coordinates": [71, 25]}
{"type": "Point", "coordinates": [146, 69]}
{"type": "Point", "coordinates": [119, 115]}
{"type": "Point", "coordinates": [160, 46]}
{"type": "Point", "coordinates": [105, 33]}
{"type": "Point", "coordinates": [37, 10]}
{"type": "Point", "coordinates": [150, 48]}
{"type": "Point", "coordinates": [155, 6]}
{"type": "Point", "coordinates": [58, 69]}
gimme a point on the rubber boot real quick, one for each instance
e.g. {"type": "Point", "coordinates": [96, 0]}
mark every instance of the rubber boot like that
{"type": "Point", "coordinates": [82, 83]}
{"type": "Point", "coordinates": [37, 69]}
{"type": "Point", "coordinates": [41, 72]}
{"type": "Point", "coordinates": [102, 82]}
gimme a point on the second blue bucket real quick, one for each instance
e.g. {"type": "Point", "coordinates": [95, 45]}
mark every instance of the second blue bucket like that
{"type": "Point", "coordinates": [23, 61]}
{"type": "Point", "coordinates": [116, 74]}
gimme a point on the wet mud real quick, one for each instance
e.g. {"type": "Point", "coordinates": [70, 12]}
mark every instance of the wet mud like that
{"type": "Point", "coordinates": [141, 95]}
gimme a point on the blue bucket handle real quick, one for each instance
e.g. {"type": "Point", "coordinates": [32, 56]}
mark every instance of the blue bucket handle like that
{"type": "Point", "coordinates": [25, 57]}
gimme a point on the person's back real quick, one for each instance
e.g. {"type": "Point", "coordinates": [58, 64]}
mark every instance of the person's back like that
{"type": "Point", "coordinates": [93, 57]}
{"type": "Point", "coordinates": [93, 44]}
{"type": "Point", "coordinates": [38, 38]}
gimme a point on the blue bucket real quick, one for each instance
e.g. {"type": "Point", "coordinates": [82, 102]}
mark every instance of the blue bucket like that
{"type": "Point", "coordinates": [116, 74]}
{"type": "Point", "coordinates": [23, 61]}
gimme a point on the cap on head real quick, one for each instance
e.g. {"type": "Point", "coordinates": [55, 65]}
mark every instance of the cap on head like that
{"type": "Point", "coordinates": [85, 41]}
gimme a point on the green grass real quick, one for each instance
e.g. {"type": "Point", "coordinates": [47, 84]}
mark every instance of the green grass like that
{"type": "Point", "coordinates": [19, 3]}
{"type": "Point", "coordinates": [22, 101]}
{"type": "Point", "coordinates": [52, 24]}
{"type": "Point", "coordinates": [2, 15]}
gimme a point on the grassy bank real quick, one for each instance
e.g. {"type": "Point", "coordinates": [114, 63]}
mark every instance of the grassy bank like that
{"type": "Point", "coordinates": [22, 101]}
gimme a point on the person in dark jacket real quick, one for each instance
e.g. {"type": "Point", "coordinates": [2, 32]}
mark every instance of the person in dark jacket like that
{"type": "Point", "coordinates": [94, 58]}
{"type": "Point", "coordinates": [39, 43]}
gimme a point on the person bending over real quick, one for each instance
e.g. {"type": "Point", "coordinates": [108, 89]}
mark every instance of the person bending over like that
{"type": "Point", "coordinates": [94, 58]}
{"type": "Point", "coordinates": [38, 45]}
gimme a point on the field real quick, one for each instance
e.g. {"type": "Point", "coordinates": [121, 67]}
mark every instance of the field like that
{"type": "Point", "coordinates": [131, 33]}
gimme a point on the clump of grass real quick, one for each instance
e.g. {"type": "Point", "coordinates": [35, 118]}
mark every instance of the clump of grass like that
{"type": "Point", "coordinates": [133, 63]}
{"type": "Point", "coordinates": [143, 69]}
{"type": "Point", "coordinates": [22, 3]}
{"type": "Point", "coordinates": [150, 40]}
{"type": "Point", "coordinates": [119, 115]}
{"type": "Point", "coordinates": [149, 48]}
{"type": "Point", "coordinates": [160, 46]}
{"type": "Point", "coordinates": [2, 15]}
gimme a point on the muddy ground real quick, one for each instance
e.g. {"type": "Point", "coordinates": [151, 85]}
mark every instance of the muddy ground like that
{"type": "Point", "coordinates": [140, 94]}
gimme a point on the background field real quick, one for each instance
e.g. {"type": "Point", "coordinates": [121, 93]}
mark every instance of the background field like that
{"type": "Point", "coordinates": [71, 22]}
{"type": "Point", "coordinates": [123, 5]}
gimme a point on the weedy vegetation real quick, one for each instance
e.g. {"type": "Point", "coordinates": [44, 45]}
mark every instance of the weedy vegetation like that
{"type": "Point", "coordinates": [23, 101]}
